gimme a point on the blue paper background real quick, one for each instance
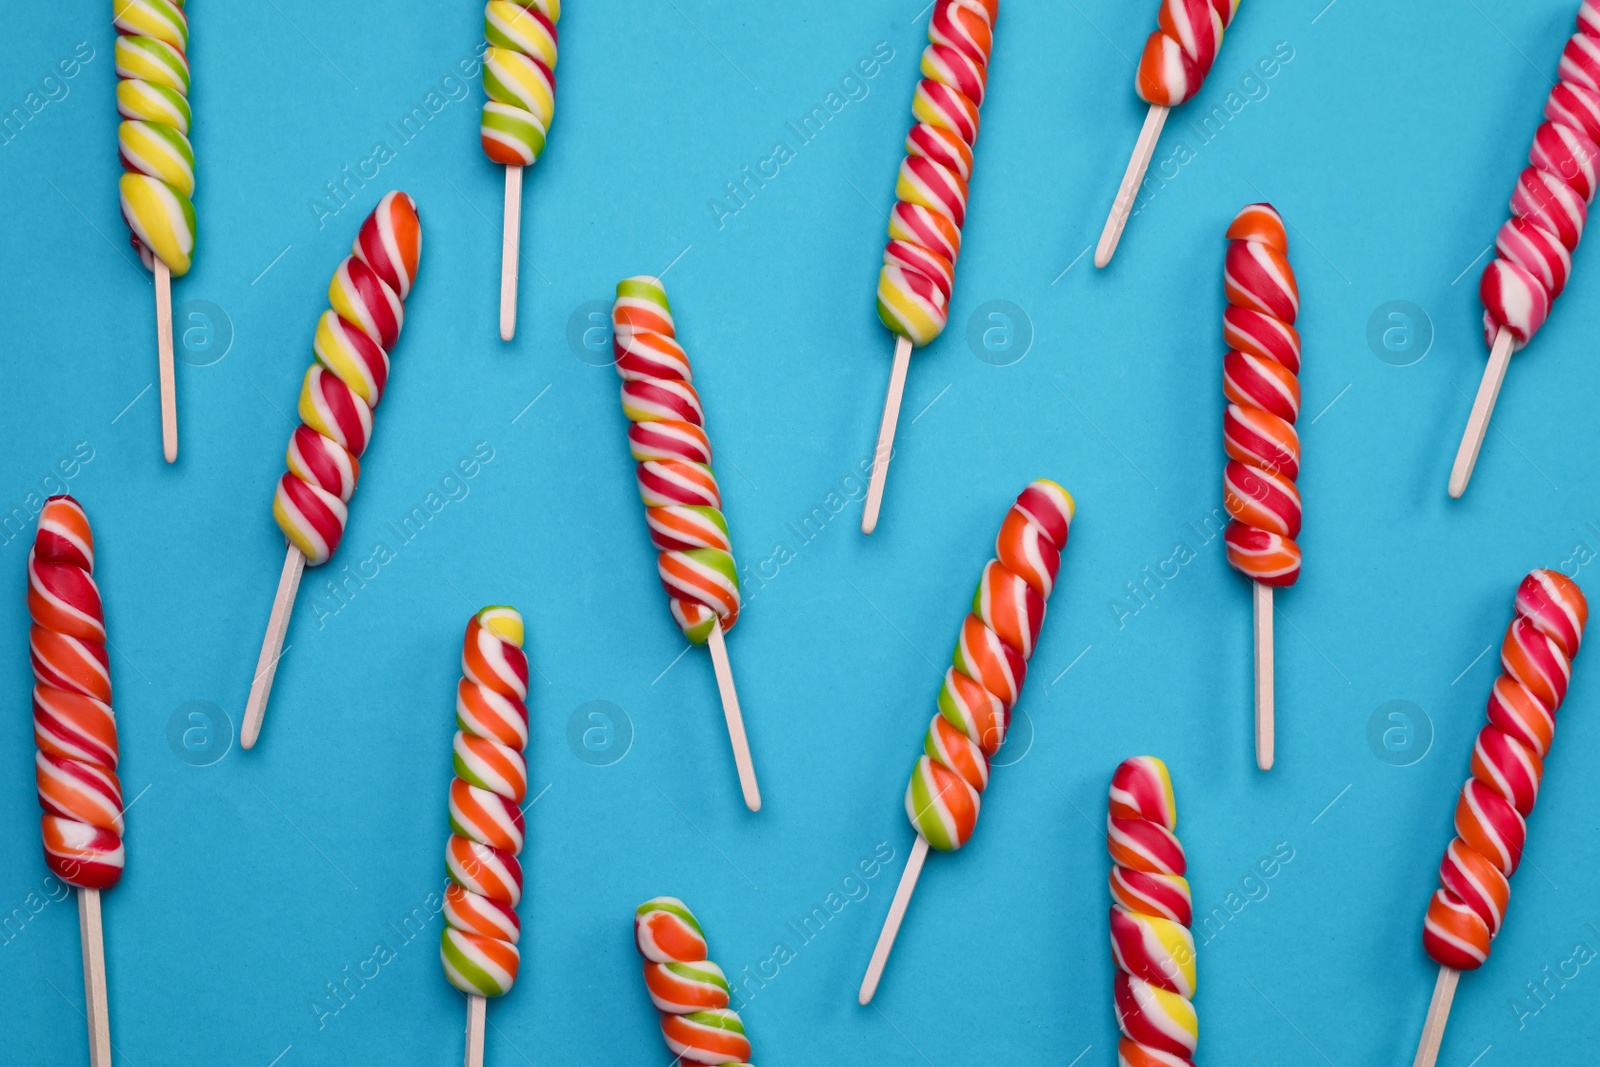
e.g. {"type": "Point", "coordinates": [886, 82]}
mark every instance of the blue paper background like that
{"type": "Point", "coordinates": [1390, 141]}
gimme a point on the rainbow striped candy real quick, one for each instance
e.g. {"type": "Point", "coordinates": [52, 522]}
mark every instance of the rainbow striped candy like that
{"type": "Point", "coordinates": [519, 79]}
{"type": "Point", "coordinates": [153, 139]}
{"type": "Point", "coordinates": [691, 992]}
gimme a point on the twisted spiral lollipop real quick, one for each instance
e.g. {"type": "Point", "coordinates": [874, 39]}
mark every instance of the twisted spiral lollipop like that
{"type": "Point", "coordinates": [337, 398]}
{"type": "Point", "coordinates": [73, 724]}
{"type": "Point", "coordinates": [1150, 916]}
{"type": "Point", "coordinates": [979, 690]}
{"type": "Point", "coordinates": [1549, 206]}
{"type": "Point", "coordinates": [1465, 914]}
{"type": "Point", "coordinates": [689, 990]}
{"type": "Point", "coordinates": [918, 269]}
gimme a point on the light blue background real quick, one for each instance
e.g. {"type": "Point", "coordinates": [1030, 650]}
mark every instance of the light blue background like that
{"type": "Point", "coordinates": [1390, 142]}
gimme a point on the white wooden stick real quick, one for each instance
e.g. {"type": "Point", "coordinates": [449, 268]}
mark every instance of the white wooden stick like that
{"type": "Point", "coordinates": [1128, 192]}
{"type": "Point", "coordinates": [477, 1015]}
{"type": "Point", "coordinates": [169, 389]}
{"type": "Point", "coordinates": [1444, 991]}
{"type": "Point", "coordinates": [294, 564]}
{"type": "Point", "coordinates": [1263, 613]}
{"type": "Point", "coordinates": [891, 418]}
{"type": "Point", "coordinates": [1482, 408]}
{"type": "Point", "coordinates": [730, 711]}
{"type": "Point", "coordinates": [509, 253]}
{"type": "Point", "coordinates": [897, 914]}
{"type": "Point", "coordinates": [96, 1008]}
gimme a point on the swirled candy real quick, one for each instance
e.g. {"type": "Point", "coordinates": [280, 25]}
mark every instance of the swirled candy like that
{"type": "Point", "coordinates": [918, 269]}
{"type": "Point", "coordinates": [1467, 910]}
{"type": "Point", "coordinates": [519, 79]}
{"type": "Point", "coordinates": [689, 991]}
{"type": "Point", "coordinates": [989, 666]}
{"type": "Point", "coordinates": [340, 390]}
{"type": "Point", "coordinates": [1151, 943]}
{"type": "Point", "coordinates": [667, 437]}
{"type": "Point", "coordinates": [74, 728]}
{"type": "Point", "coordinates": [1550, 204]}
{"type": "Point", "coordinates": [479, 943]}
{"type": "Point", "coordinates": [1179, 54]}
{"type": "Point", "coordinates": [153, 139]}
{"type": "Point", "coordinates": [1263, 393]}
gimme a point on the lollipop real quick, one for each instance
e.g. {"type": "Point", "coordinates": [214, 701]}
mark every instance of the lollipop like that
{"type": "Point", "coordinates": [479, 944]}
{"type": "Point", "coordinates": [1258, 434]}
{"type": "Point", "coordinates": [1507, 763]}
{"type": "Point", "coordinates": [930, 203]}
{"type": "Point", "coordinates": [1177, 57]}
{"type": "Point", "coordinates": [980, 689]}
{"type": "Point", "coordinates": [682, 504]}
{"type": "Point", "coordinates": [1150, 916]}
{"type": "Point", "coordinates": [337, 398]}
{"type": "Point", "coordinates": [519, 79]}
{"type": "Point", "coordinates": [1533, 251]}
{"type": "Point", "coordinates": [689, 990]}
{"type": "Point", "coordinates": [76, 734]}
{"type": "Point", "coordinates": [158, 162]}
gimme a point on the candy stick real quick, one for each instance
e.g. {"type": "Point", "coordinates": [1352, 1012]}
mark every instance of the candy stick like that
{"type": "Point", "coordinates": [682, 500]}
{"type": "Point", "coordinates": [1494, 375]}
{"type": "Point", "coordinates": [918, 269]}
{"type": "Point", "coordinates": [886, 428]}
{"type": "Point", "coordinates": [892, 921]}
{"type": "Point", "coordinates": [520, 83]}
{"type": "Point", "coordinates": [1549, 206]}
{"type": "Point", "coordinates": [477, 1016]}
{"type": "Point", "coordinates": [294, 565]}
{"type": "Point", "coordinates": [980, 689]}
{"type": "Point", "coordinates": [508, 254]}
{"type": "Point", "coordinates": [97, 1010]}
{"type": "Point", "coordinates": [689, 991]}
{"type": "Point", "coordinates": [1263, 619]}
{"type": "Point", "coordinates": [1128, 192]}
{"type": "Point", "coordinates": [1177, 57]}
{"type": "Point", "coordinates": [169, 391]}
{"type": "Point", "coordinates": [730, 711]}
{"type": "Point", "coordinates": [337, 397]}
{"type": "Point", "coordinates": [1444, 991]}
{"type": "Point", "coordinates": [1466, 912]}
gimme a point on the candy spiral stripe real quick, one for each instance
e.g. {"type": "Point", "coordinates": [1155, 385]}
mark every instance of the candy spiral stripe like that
{"type": "Point", "coordinates": [1150, 915]}
{"type": "Point", "coordinates": [1533, 251]}
{"type": "Point", "coordinates": [342, 387]}
{"type": "Point", "coordinates": [1178, 56]}
{"type": "Point", "coordinates": [73, 725]}
{"type": "Point", "coordinates": [689, 990]}
{"type": "Point", "coordinates": [667, 436]}
{"type": "Point", "coordinates": [1258, 379]}
{"type": "Point", "coordinates": [479, 944]}
{"type": "Point", "coordinates": [153, 139]}
{"type": "Point", "coordinates": [519, 79]}
{"type": "Point", "coordinates": [1465, 913]}
{"type": "Point", "coordinates": [990, 663]}
{"type": "Point", "coordinates": [931, 192]}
